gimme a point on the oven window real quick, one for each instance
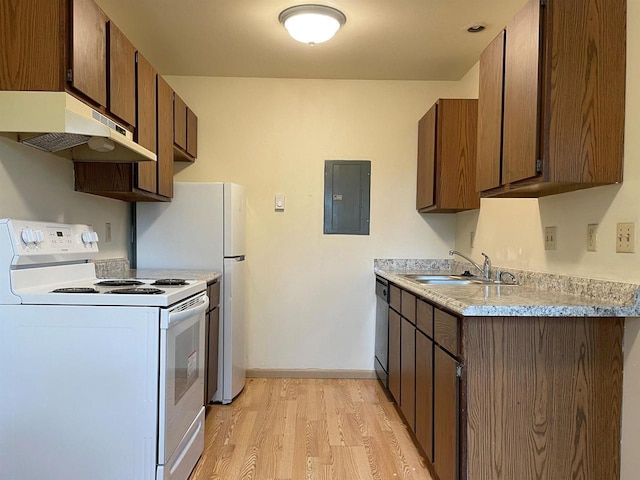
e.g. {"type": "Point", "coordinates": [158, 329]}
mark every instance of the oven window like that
{"type": "Point", "coordinates": [187, 360]}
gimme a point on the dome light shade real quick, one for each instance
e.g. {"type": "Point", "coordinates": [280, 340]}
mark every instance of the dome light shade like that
{"type": "Point", "coordinates": [312, 24]}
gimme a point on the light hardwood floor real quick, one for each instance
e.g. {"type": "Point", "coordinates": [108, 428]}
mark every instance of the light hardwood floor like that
{"type": "Point", "coordinates": [298, 429]}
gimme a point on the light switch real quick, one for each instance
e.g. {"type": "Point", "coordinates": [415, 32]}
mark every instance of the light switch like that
{"type": "Point", "coordinates": [279, 204]}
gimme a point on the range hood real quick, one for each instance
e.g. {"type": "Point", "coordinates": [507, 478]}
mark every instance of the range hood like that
{"type": "Point", "coordinates": [59, 123]}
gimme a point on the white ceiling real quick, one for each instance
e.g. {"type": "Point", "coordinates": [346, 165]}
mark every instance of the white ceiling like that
{"type": "Point", "coordinates": [382, 39]}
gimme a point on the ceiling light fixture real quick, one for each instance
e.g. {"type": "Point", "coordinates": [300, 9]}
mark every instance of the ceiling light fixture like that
{"type": "Point", "coordinates": [312, 24]}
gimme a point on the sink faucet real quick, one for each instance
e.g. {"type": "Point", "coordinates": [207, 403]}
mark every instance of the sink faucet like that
{"type": "Point", "coordinates": [485, 269]}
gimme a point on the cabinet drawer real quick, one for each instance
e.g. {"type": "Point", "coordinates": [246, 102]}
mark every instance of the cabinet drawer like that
{"type": "Point", "coordinates": [446, 330]}
{"type": "Point", "coordinates": [424, 317]}
{"type": "Point", "coordinates": [394, 297]}
{"type": "Point", "coordinates": [213, 292]}
{"type": "Point", "coordinates": [408, 307]}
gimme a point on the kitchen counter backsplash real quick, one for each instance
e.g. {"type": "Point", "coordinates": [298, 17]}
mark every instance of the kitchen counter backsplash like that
{"type": "Point", "coordinates": [112, 268]}
{"type": "Point", "coordinates": [590, 290]}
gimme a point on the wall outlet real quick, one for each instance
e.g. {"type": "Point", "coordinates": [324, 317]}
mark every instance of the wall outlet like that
{"type": "Point", "coordinates": [550, 238]}
{"type": "Point", "coordinates": [472, 239]}
{"type": "Point", "coordinates": [625, 237]}
{"type": "Point", "coordinates": [107, 232]}
{"type": "Point", "coordinates": [592, 237]}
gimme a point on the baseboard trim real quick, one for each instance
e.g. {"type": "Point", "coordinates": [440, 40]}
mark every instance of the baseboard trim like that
{"type": "Point", "coordinates": [309, 373]}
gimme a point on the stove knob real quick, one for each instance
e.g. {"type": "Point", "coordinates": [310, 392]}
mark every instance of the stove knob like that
{"type": "Point", "coordinates": [94, 236]}
{"type": "Point", "coordinates": [27, 236]}
{"type": "Point", "coordinates": [39, 236]}
{"type": "Point", "coordinates": [87, 237]}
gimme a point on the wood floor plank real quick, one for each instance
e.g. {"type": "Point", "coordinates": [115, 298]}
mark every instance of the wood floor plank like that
{"type": "Point", "coordinates": [308, 429]}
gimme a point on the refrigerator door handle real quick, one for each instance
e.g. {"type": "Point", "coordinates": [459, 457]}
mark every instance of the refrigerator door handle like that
{"type": "Point", "coordinates": [239, 258]}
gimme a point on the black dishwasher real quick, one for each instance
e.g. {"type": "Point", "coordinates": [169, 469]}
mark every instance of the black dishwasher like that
{"type": "Point", "coordinates": [382, 330]}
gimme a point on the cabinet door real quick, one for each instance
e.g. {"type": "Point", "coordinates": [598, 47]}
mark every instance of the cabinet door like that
{"type": "Point", "coordinates": [394, 355]}
{"type": "Point", "coordinates": [426, 187]}
{"type": "Point", "coordinates": [147, 172]}
{"type": "Point", "coordinates": [522, 95]}
{"type": "Point", "coordinates": [424, 393]}
{"type": "Point", "coordinates": [192, 133]}
{"type": "Point", "coordinates": [122, 75]}
{"type": "Point", "coordinates": [179, 122]}
{"type": "Point", "coordinates": [490, 115]}
{"type": "Point", "coordinates": [165, 138]}
{"type": "Point", "coordinates": [408, 372]}
{"type": "Point", "coordinates": [89, 50]}
{"type": "Point", "coordinates": [446, 415]}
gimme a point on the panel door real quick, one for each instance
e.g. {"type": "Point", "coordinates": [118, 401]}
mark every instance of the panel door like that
{"type": "Point", "coordinates": [146, 129]}
{"type": "Point", "coordinates": [122, 75]}
{"type": "Point", "coordinates": [522, 95]}
{"type": "Point", "coordinates": [490, 100]}
{"type": "Point", "coordinates": [424, 393]}
{"type": "Point", "coordinates": [165, 138]}
{"type": "Point", "coordinates": [394, 354]}
{"type": "Point", "coordinates": [89, 50]}
{"type": "Point", "coordinates": [446, 415]}
{"type": "Point", "coordinates": [408, 372]}
{"type": "Point", "coordinates": [426, 189]}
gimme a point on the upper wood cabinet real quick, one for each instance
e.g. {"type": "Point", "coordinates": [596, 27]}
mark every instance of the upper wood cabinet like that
{"type": "Point", "coordinates": [551, 100]}
{"type": "Point", "coordinates": [185, 131]}
{"type": "Point", "coordinates": [88, 72]}
{"type": "Point", "coordinates": [122, 76]}
{"type": "Point", "coordinates": [447, 142]}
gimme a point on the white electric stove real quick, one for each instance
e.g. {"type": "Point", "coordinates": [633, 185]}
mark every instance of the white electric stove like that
{"type": "Point", "coordinates": [98, 379]}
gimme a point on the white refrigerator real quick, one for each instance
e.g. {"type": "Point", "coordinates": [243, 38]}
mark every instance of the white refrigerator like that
{"type": "Point", "coordinates": [203, 227]}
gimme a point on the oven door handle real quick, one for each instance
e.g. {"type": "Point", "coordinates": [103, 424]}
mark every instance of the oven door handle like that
{"type": "Point", "coordinates": [193, 311]}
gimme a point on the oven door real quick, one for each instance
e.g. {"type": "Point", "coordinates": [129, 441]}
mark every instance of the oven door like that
{"type": "Point", "coordinates": [182, 354]}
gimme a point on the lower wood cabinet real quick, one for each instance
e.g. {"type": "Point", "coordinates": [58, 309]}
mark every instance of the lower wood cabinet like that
{"type": "Point", "coordinates": [446, 409]}
{"type": "Point", "coordinates": [424, 393]}
{"type": "Point", "coordinates": [394, 354]}
{"type": "Point", "coordinates": [506, 398]}
{"type": "Point", "coordinates": [408, 371]}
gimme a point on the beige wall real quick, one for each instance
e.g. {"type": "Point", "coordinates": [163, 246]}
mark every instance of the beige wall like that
{"type": "Point", "coordinates": [39, 186]}
{"type": "Point", "coordinates": [511, 232]}
{"type": "Point", "coordinates": [311, 296]}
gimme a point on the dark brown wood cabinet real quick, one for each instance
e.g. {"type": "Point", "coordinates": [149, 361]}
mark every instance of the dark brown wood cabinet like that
{"type": "Point", "coordinates": [424, 393]}
{"type": "Point", "coordinates": [212, 331]}
{"type": "Point", "coordinates": [138, 182]}
{"type": "Point", "coordinates": [482, 386]}
{"type": "Point", "coordinates": [394, 354]}
{"type": "Point", "coordinates": [551, 100]}
{"type": "Point", "coordinates": [122, 76]}
{"type": "Point", "coordinates": [447, 142]}
{"type": "Point", "coordinates": [185, 131]}
{"type": "Point", "coordinates": [408, 372]}
{"type": "Point", "coordinates": [446, 414]}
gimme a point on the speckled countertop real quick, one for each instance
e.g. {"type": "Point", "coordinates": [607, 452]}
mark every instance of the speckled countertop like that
{"type": "Point", "coordinates": [538, 294]}
{"type": "Point", "coordinates": [206, 275]}
{"type": "Point", "coordinates": [119, 268]}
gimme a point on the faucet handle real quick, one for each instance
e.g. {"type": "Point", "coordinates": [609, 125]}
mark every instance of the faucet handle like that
{"type": "Point", "coordinates": [512, 278]}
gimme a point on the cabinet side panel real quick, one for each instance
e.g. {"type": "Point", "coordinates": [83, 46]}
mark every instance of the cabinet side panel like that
{"type": "Point", "coordinates": [543, 398]}
{"type": "Point", "coordinates": [192, 133]}
{"type": "Point", "coordinates": [179, 122]}
{"type": "Point", "coordinates": [458, 137]}
{"type": "Point", "coordinates": [32, 44]}
{"type": "Point", "coordinates": [89, 50]}
{"type": "Point", "coordinates": [521, 94]}
{"type": "Point", "coordinates": [490, 115]}
{"type": "Point", "coordinates": [426, 160]}
{"type": "Point", "coordinates": [586, 59]}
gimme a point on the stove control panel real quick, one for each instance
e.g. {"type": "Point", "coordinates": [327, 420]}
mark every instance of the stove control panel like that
{"type": "Point", "coordinates": [44, 242]}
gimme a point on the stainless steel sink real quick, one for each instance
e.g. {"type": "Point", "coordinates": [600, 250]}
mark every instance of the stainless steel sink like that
{"type": "Point", "coordinates": [426, 279]}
